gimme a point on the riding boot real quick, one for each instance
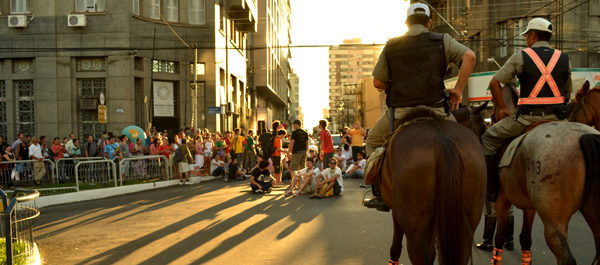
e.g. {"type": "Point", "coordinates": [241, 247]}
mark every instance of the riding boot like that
{"type": "Point", "coordinates": [492, 178]}
{"type": "Point", "coordinates": [376, 201]}
{"type": "Point", "coordinates": [510, 227]}
{"type": "Point", "coordinates": [488, 234]}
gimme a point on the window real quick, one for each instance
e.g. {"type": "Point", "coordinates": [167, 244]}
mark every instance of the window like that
{"type": "Point", "coordinates": [155, 9]}
{"type": "Point", "coordinates": [89, 91]}
{"type": "Point", "coordinates": [89, 5]}
{"type": "Point", "coordinates": [136, 7]}
{"type": "Point", "coordinates": [200, 69]}
{"type": "Point", "coordinates": [502, 37]}
{"type": "Point", "coordinates": [221, 18]}
{"type": "Point", "coordinates": [25, 107]}
{"type": "Point", "coordinates": [519, 41]}
{"type": "Point", "coordinates": [172, 10]}
{"type": "Point", "coordinates": [198, 12]}
{"type": "Point", "coordinates": [91, 64]}
{"type": "Point", "coordinates": [19, 7]}
{"type": "Point", "coordinates": [168, 67]}
{"type": "Point", "coordinates": [3, 110]}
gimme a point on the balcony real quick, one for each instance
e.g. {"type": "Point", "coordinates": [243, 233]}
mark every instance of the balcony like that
{"type": "Point", "coordinates": [245, 14]}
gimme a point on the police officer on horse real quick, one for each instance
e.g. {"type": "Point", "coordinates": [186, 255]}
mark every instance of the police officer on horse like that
{"type": "Point", "coordinates": [411, 71]}
{"type": "Point", "coordinates": [545, 77]}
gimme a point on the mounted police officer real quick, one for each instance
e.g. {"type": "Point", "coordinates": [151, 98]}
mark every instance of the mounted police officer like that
{"type": "Point", "coordinates": [411, 71]}
{"type": "Point", "coordinates": [545, 77]}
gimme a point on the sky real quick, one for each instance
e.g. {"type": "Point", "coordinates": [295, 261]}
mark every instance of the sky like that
{"type": "Point", "coordinates": [329, 22]}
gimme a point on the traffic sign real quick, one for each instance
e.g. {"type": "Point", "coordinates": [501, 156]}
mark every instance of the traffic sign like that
{"type": "Point", "coordinates": [214, 110]}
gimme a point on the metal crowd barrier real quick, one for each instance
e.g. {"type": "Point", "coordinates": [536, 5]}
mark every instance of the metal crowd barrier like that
{"type": "Point", "coordinates": [18, 217]}
{"type": "Point", "coordinates": [139, 168]}
{"type": "Point", "coordinates": [22, 172]}
{"type": "Point", "coordinates": [94, 173]}
{"type": "Point", "coordinates": [65, 168]}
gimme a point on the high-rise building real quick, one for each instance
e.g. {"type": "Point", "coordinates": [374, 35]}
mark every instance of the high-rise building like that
{"type": "Point", "coordinates": [270, 69]}
{"type": "Point", "coordinates": [60, 59]}
{"type": "Point", "coordinates": [348, 63]}
{"type": "Point", "coordinates": [295, 96]}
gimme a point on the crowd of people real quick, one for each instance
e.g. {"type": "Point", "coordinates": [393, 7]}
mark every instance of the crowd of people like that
{"type": "Point", "coordinates": [233, 156]}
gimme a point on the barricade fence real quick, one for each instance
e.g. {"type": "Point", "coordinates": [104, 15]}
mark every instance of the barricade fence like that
{"type": "Point", "coordinates": [144, 168]}
{"type": "Point", "coordinates": [95, 172]}
{"type": "Point", "coordinates": [26, 172]}
{"type": "Point", "coordinates": [65, 168]}
{"type": "Point", "coordinates": [19, 215]}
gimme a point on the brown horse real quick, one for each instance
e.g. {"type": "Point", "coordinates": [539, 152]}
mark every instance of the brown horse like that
{"type": "Point", "coordinates": [586, 107]}
{"type": "Point", "coordinates": [433, 177]}
{"type": "Point", "coordinates": [554, 174]}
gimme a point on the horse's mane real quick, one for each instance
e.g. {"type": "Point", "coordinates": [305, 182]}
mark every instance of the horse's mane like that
{"type": "Point", "coordinates": [421, 112]}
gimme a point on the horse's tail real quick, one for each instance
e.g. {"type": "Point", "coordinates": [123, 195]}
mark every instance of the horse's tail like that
{"type": "Point", "coordinates": [450, 223]}
{"type": "Point", "coordinates": [590, 146]}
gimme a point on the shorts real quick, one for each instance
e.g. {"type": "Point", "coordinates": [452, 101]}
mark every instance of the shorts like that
{"type": "Point", "coordinates": [276, 164]}
{"type": "Point", "coordinates": [207, 153]}
{"type": "Point", "coordinates": [298, 161]}
{"type": "Point", "coordinates": [184, 167]}
{"type": "Point", "coordinates": [326, 158]}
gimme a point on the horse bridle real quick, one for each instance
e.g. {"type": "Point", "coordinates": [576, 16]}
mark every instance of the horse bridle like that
{"type": "Point", "coordinates": [580, 106]}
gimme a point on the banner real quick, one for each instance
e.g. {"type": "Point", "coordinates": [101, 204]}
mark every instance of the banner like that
{"type": "Point", "coordinates": [164, 104]}
{"type": "Point", "coordinates": [102, 114]}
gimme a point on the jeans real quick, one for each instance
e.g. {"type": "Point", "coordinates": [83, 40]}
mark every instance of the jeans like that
{"type": "Point", "coordinates": [265, 185]}
{"type": "Point", "coordinates": [219, 172]}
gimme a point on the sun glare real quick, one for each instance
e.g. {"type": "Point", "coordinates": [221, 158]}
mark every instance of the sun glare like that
{"type": "Point", "coordinates": [317, 22]}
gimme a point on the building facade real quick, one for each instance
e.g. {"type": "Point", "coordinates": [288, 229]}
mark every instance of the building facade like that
{"type": "Point", "coordinates": [295, 97]}
{"type": "Point", "coordinates": [270, 69]}
{"type": "Point", "coordinates": [348, 63]}
{"type": "Point", "coordinates": [491, 28]}
{"type": "Point", "coordinates": [373, 103]}
{"type": "Point", "coordinates": [60, 59]}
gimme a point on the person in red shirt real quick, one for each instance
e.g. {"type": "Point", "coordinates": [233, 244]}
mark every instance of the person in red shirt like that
{"type": "Point", "coordinates": [57, 149]}
{"type": "Point", "coordinates": [325, 143]}
{"type": "Point", "coordinates": [277, 156]}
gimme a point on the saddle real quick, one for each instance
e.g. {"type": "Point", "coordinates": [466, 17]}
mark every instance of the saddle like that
{"type": "Point", "coordinates": [508, 153]}
{"type": "Point", "coordinates": [375, 160]}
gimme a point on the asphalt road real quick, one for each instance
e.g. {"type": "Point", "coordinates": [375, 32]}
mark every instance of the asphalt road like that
{"type": "Point", "coordinates": [222, 223]}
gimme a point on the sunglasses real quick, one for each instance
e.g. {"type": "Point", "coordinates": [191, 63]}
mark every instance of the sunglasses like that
{"type": "Point", "coordinates": [333, 163]}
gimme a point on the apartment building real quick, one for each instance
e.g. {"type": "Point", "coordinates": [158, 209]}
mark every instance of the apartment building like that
{"type": "Point", "coordinates": [270, 69]}
{"type": "Point", "coordinates": [348, 63]}
{"type": "Point", "coordinates": [60, 60]}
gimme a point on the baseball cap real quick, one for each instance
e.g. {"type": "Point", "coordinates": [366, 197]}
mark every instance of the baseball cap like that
{"type": "Point", "coordinates": [540, 24]}
{"type": "Point", "coordinates": [418, 9]}
{"type": "Point", "coordinates": [297, 122]}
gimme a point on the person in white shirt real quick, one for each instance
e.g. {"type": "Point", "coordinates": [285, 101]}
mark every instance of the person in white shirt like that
{"type": "Point", "coordinates": [347, 152]}
{"type": "Point", "coordinates": [304, 178]}
{"type": "Point", "coordinates": [341, 158]}
{"type": "Point", "coordinates": [329, 182]}
{"type": "Point", "coordinates": [357, 170]}
{"type": "Point", "coordinates": [35, 153]}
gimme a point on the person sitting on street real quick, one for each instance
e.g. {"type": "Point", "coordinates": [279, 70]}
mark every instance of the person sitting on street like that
{"type": "Point", "coordinates": [330, 182]}
{"type": "Point", "coordinates": [357, 170]}
{"type": "Point", "coordinates": [235, 172]}
{"type": "Point", "coordinates": [304, 178]}
{"type": "Point", "coordinates": [217, 166]}
{"type": "Point", "coordinates": [261, 179]}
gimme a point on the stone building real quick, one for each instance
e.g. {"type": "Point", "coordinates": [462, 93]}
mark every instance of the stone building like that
{"type": "Point", "coordinates": [58, 57]}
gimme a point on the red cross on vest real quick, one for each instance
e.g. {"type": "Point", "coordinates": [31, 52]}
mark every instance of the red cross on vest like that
{"type": "Point", "coordinates": [546, 77]}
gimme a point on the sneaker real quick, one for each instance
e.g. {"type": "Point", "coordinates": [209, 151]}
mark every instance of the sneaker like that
{"type": "Point", "coordinates": [269, 190]}
{"type": "Point", "coordinates": [289, 193]}
{"type": "Point", "coordinates": [258, 191]}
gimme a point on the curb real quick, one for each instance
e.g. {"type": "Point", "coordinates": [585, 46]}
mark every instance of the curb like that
{"type": "Point", "coordinates": [109, 192]}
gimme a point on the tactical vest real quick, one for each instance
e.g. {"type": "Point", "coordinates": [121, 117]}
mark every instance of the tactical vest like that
{"type": "Point", "coordinates": [417, 65]}
{"type": "Point", "coordinates": [544, 77]}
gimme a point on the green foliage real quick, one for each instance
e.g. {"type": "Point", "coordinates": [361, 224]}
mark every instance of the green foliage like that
{"type": "Point", "coordinates": [19, 251]}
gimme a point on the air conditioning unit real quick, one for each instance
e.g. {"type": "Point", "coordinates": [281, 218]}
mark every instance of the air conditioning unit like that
{"type": "Point", "coordinates": [77, 21]}
{"type": "Point", "coordinates": [17, 21]}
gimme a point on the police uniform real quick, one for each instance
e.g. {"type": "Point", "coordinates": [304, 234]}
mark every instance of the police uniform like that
{"type": "Point", "coordinates": [404, 63]}
{"type": "Point", "coordinates": [539, 96]}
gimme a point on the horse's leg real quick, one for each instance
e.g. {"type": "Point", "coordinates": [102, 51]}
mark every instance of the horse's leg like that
{"type": "Point", "coordinates": [525, 236]}
{"type": "Point", "coordinates": [593, 219]}
{"type": "Point", "coordinates": [555, 232]}
{"type": "Point", "coordinates": [396, 249]}
{"type": "Point", "coordinates": [502, 206]}
{"type": "Point", "coordinates": [421, 249]}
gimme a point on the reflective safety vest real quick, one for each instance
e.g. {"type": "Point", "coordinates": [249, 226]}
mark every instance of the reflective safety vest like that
{"type": "Point", "coordinates": [544, 76]}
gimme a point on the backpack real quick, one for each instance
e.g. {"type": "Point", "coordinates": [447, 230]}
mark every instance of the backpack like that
{"type": "Point", "coordinates": [268, 145]}
{"type": "Point", "coordinates": [178, 155]}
